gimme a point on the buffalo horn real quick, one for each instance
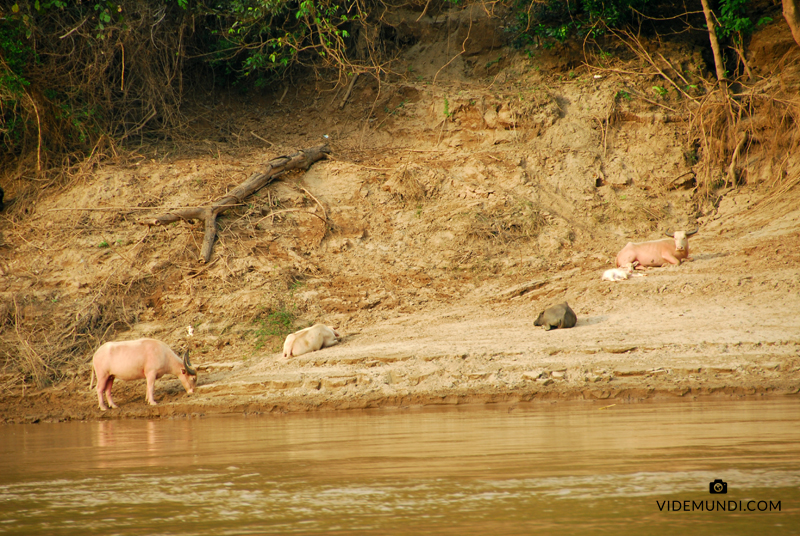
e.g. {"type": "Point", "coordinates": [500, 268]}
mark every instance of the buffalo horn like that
{"type": "Point", "coordinates": [670, 234]}
{"type": "Point", "coordinates": [187, 365]}
{"type": "Point", "coordinates": [690, 233]}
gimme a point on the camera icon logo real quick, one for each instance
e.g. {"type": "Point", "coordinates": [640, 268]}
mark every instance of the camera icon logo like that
{"type": "Point", "coordinates": [718, 486]}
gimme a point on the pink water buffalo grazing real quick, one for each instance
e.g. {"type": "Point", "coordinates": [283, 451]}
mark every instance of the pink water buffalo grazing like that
{"type": "Point", "coordinates": [134, 360]}
{"type": "Point", "coordinates": [310, 339]}
{"type": "Point", "coordinates": [656, 252]}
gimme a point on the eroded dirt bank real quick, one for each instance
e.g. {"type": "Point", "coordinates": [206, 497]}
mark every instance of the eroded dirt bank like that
{"type": "Point", "coordinates": [455, 206]}
{"type": "Point", "coordinates": [723, 325]}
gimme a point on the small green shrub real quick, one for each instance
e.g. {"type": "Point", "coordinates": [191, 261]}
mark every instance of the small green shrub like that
{"type": "Point", "coordinates": [274, 326]}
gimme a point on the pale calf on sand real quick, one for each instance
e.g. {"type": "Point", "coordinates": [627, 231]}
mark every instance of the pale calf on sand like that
{"type": "Point", "coordinates": [620, 274]}
{"type": "Point", "coordinates": [310, 339]}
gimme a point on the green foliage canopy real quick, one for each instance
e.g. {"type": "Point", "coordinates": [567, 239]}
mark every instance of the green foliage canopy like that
{"type": "Point", "coordinates": [75, 71]}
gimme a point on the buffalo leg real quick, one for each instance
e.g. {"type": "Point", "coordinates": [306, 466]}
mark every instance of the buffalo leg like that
{"type": "Point", "coordinates": [151, 387]}
{"type": "Point", "coordinates": [109, 384]}
{"type": "Point", "coordinates": [101, 386]}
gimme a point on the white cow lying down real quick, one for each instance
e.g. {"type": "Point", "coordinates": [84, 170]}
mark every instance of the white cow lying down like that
{"type": "Point", "coordinates": [310, 339]}
{"type": "Point", "coordinates": [621, 274]}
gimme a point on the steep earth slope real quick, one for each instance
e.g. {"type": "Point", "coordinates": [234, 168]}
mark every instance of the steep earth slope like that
{"type": "Point", "coordinates": [459, 200]}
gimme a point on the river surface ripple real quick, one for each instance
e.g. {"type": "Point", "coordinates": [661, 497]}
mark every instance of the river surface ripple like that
{"type": "Point", "coordinates": [565, 468]}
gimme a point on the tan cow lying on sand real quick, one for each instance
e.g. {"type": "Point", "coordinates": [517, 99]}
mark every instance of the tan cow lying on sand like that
{"type": "Point", "coordinates": [310, 339]}
{"type": "Point", "coordinates": [656, 252]}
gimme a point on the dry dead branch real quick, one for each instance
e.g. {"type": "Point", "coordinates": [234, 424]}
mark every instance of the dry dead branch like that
{"type": "Point", "coordinates": [275, 167]}
{"type": "Point", "coordinates": [735, 159]}
{"type": "Point", "coordinates": [349, 90]}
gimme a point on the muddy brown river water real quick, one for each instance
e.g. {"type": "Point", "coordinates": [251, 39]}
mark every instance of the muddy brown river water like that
{"type": "Point", "coordinates": [565, 468]}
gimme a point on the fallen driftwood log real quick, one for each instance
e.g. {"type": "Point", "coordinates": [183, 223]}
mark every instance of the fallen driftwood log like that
{"type": "Point", "coordinates": [275, 167]}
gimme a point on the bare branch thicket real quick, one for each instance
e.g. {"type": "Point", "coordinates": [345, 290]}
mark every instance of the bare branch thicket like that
{"type": "Point", "coordinates": [91, 89]}
{"type": "Point", "coordinates": [727, 127]}
{"type": "Point", "coordinates": [33, 353]}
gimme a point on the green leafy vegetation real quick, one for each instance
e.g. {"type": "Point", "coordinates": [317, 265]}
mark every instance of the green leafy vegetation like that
{"type": "Point", "coordinates": [274, 325]}
{"type": "Point", "coordinates": [553, 20]}
{"type": "Point", "coordinates": [660, 91]}
{"type": "Point", "coordinates": [77, 78]}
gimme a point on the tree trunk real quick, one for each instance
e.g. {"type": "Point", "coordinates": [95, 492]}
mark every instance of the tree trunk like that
{"type": "Point", "coordinates": [275, 167]}
{"type": "Point", "coordinates": [791, 12]}
{"type": "Point", "coordinates": [712, 36]}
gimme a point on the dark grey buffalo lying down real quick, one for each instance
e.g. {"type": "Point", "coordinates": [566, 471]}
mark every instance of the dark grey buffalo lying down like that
{"type": "Point", "coordinates": [556, 316]}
